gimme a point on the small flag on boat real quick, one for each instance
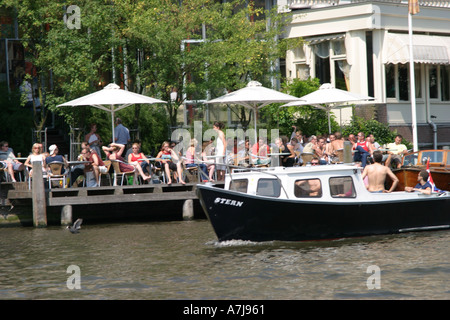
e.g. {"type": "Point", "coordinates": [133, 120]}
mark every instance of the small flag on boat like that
{"type": "Point", "coordinates": [413, 6]}
{"type": "Point", "coordinates": [430, 179]}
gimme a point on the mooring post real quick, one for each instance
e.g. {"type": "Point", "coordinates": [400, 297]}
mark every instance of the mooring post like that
{"type": "Point", "coordinates": [66, 215]}
{"type": "Point", "coordinates": [38, 195]}
{"type": "Point", "coordinates": [188, 209]}
{"type": "Point", "coordinates": [348, 158]}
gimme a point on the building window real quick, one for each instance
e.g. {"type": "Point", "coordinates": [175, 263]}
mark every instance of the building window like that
{"type": "Point", "coordinates": [331, 63]}
{"type": "Point", "coordinates": [397, 81]}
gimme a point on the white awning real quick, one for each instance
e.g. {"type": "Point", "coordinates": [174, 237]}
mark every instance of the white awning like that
{"type": "Point", "coordinates": [327, 37]}
{"type": "Point", "coordinates": [426, 49]}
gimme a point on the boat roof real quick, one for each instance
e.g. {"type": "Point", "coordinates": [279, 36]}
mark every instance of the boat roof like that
{"type": "Point", "coordinates": [297, 170]}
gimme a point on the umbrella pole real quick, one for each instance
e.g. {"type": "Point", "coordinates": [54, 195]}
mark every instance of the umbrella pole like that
{"type": "Point", "coordinates": [329, 122]}
{"type": "Point", "coordinates": [112, 124]}
{"type": "Point", "coordinates": [255, 111]}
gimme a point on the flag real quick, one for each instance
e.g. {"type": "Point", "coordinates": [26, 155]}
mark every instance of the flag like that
{"type": "Point", "coordinates": [430, 179]}
{"type": "Point", "coordinates": [413, 6]}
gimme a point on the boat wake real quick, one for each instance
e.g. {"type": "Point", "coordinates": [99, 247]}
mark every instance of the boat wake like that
{"type": "Point", "coordinates": [236, 243]}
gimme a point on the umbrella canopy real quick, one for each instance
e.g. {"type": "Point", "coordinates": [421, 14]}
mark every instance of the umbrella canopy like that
{"type": "Point", "coordinates": [111, 99]}
{"type": "Point", "coordinates": [254, 96]}
{"type": "Point", "coordinates": [327, 97]}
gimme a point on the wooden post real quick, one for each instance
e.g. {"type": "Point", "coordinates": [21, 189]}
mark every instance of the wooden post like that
{"type": "Point", "coordinates": [66, 215]}
{"type": "Point", "coordinates": [348, 158]}
{"type": "Point", "coordinates": [38, 195]}
{"type": "Point", "coordinates": [188, 209]}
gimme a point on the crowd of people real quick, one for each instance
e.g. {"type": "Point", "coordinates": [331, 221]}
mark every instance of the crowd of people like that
{"type": "Point", "coordinates": [212, 157]}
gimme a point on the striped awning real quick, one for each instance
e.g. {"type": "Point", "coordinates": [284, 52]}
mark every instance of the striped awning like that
{"type": "Point", "coordinates": [426, 49]}
{"type": "Point", "coordinates": [327, 37]}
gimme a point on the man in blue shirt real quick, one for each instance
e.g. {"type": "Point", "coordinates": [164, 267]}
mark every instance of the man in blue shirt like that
{"type": "Point", "coordinates": [423, 186]}
{"type": "Point", "coordinates": [121, 133]}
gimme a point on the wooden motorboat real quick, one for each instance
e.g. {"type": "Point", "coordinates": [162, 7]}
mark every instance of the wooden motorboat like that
{"type": "Point", "coordinates": [412, 163]}
{"type": "Point", "coordinates": [317, 202]}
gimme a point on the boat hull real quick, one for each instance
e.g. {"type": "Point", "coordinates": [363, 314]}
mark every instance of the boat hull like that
{"type": "Point", "coordinates": [408, 177]}
{"type": "Point", "coordinates": [240, 216]}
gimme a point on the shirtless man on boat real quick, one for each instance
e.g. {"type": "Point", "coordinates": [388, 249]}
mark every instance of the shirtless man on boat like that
{"type": "Point", "coordinates": [377, 175]}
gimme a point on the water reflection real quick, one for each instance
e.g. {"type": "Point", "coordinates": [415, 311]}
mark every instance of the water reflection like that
{"type": "Point", "coordinates": [183, 260]}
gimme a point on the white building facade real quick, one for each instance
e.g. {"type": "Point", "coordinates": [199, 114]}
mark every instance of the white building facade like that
{"type": "Point", "coordinates": [363, 47]}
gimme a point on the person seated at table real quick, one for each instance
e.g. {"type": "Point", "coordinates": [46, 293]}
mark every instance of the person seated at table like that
{"type": "Point", "coordinates": [35, 156]}
{"type": "Point", "coordinates": [169, 160]}
{"type": "Point", "coordinates": [396, 151]}
{"type": "Point", "coordinates": [260, 152]}
{"type": "Point", "coordinates": [135, 155]}
{"type": "Point", "coordinates": [114, 152]}
{"type": "Point", "coordinates": [9, 161]}
{"type": "Point", "coordinates": [55, 157]}
{"type": "Point", "coordinates": [207, 151]}
{"type": "Point", "coordinates": [95, 165]}
{"type": "Point", "coordinates": [192, 160]}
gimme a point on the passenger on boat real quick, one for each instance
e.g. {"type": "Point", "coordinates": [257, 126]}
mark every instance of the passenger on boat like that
{"type": "Point", "coordinates": [320, 151]}
{"type": "Point", "coordinates": [170, 161]}
{"type": "Point", "coordinates": [363, 149]}
{"type": "Point", "coordinates": [396, 151]}
{"type": "Point", "coordinates": [335, 147]}
{"type": "Point", "coordinates": [423, 185]}
{"type": "Point", "coordinates": [377, 174]}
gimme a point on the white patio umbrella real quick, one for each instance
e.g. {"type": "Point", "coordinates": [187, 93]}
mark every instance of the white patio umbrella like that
{"type": "Point", "coordinates": [111, 99]}
{"type": "Point", "coordinates": [328, 97]}
{"type": "Point", "coordinates": [254, 96]}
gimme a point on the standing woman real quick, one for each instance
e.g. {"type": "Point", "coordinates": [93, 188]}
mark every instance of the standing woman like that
{"type": "Point", "coordinates": [221, 146]}
{"type": "Point", "coordinates": [93, 139]}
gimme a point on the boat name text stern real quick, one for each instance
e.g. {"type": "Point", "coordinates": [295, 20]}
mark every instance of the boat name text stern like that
{"type": "Point", "coordinates": [228, 202]}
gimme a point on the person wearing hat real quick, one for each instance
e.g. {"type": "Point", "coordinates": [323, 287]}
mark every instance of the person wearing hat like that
{"type": "Point", "coordinates": [55, 157]}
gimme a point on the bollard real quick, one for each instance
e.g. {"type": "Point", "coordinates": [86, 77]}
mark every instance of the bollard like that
{"type": "Point", "coordinates": [38, 196]}
{"type": "Point", "coordinates": [66, 215]}
{"type": "Point", "coordinates": [188, 210]}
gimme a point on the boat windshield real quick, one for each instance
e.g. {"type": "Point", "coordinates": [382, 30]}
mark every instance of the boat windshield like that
{"type": "Point", "coordinates": [435, 156]}
{"type": "Point", "coordinates": [410, 159]}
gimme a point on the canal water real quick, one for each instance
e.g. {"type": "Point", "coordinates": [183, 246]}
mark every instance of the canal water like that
{"type": "Point", "coordinates": [183, 260]}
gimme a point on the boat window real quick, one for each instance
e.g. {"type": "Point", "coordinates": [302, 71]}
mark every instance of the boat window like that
{"type": "Point", "coordinates": [308, 188]}
{"type": "Point", "coordinates": [239, 185]}
{"type": "Point", "coordinates": [410, 159]}
{"type": "Point", "coordinates": [268, 188]}
{"type": "Point", "coordinates": [342, 187]}
{"type": "Point", "coordinates": [435, 156]}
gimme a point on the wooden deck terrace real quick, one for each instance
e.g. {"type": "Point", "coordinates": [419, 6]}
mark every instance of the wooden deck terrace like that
{"type": "Point", "coordinates": [99, 204]}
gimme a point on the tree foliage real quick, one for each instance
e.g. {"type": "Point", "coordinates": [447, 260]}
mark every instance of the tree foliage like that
{"type": "Point", "coordinates": [196, 47]}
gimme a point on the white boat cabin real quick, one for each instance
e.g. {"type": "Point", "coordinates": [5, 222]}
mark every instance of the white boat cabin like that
{"type": "Point", "coordinates": [336, 183]}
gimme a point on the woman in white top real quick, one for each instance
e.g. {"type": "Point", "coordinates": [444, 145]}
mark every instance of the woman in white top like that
{"type": "Point", "coordinates": [35, 156]}
{"type": "Point", "coordinates": [93, 139]}
{"type": "Point", "coordinates": [221, 146]}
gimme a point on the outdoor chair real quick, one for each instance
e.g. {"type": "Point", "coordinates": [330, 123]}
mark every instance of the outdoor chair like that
{"type": "Point", "coordinates": [307, 157]}
{"type": "Point", "coordinates": [119, 174]}
{"type": "Point", "coordinates": [55, 174]}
